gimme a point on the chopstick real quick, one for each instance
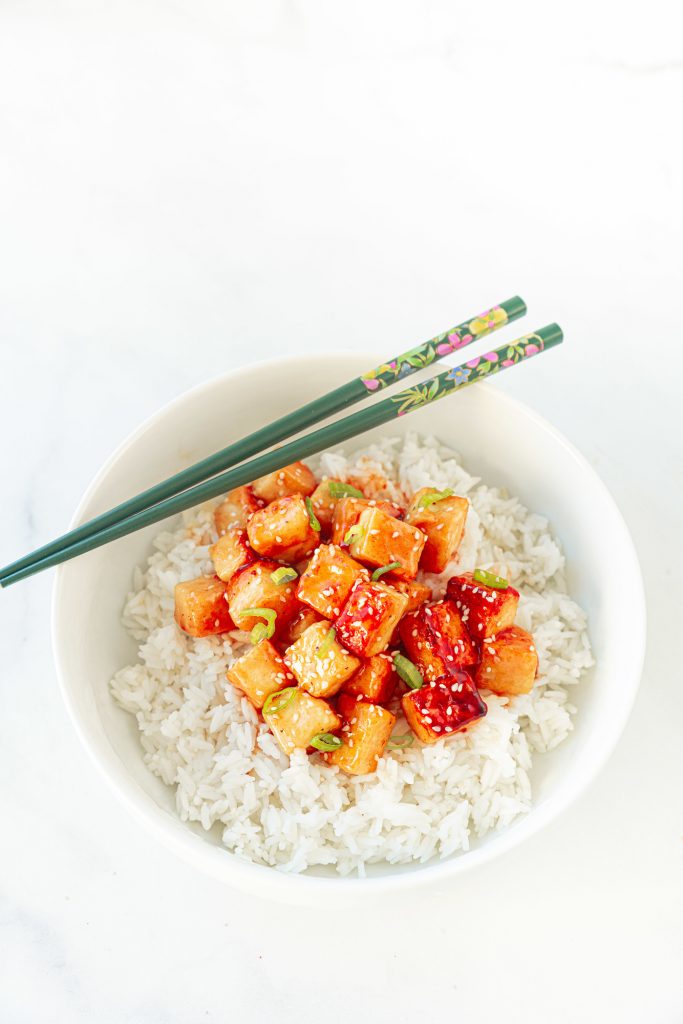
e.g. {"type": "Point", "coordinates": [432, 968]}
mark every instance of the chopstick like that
{"type": "Point", "coordinates": [404, 402]}
{"type": "Point", "coordinates": [313, 412]}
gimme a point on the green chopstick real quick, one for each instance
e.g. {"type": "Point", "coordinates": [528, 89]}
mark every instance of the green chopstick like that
{"type": "Point", "coordinates": [327, 405]}
{"type": "Point", "coordinates": [398, 405]}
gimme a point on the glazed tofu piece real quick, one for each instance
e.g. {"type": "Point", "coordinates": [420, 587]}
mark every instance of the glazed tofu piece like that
{"type": "Point", "coordinates": [329, 579]}
{"type": "Point", "coordinates": [443, 524]}
{"type": "Point", "coordinates": [369, 618]}
{"type": "Point", "coordinates": [417, 593]}
{"type": "Point", "coordinates": [375, 681]}
{"type": "Point", "coordinates": [300, 719]}
{"type": "Point", "coordinates": [260, 672]}
{"type": "Point", "coordinates": [324, 504]}
{"type": "Point", "coordinates": [283, 530]}
{"type": "Point", "coordinates": [230, 553]}
{"type": "Point", "coordinates": [348, 511]}
{"type": "Point", "coordinates": [443, 707]}
{"type": "Point", "coordinates": [509, 662]}
{"type": "Point", "coordinates": [320, 665]}
{"type": "Point", "coordinates": [291, 632]}
{"type": "Point", "coordinates": [384, 539]}
{"type": "Point", "coordinates": [294, 479]}
{"type": "Point", "coordinates": [485, 610]}
{"type": "Point", "coordinates": [253, 587]}
{"type": "Point", "coordinates": [435, 638]}
{"type": "Point", "coordinates": [235, 510]}
{"type": "Point", "coordinates": [201, 606]}
{"type": "Point", "coordinates": [365, 735]}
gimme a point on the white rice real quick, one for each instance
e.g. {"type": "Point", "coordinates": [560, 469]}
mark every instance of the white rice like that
{"type": "Point", "coordinates": [228, 773]}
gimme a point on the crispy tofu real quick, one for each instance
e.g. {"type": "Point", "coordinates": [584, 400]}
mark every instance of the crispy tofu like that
{"type": "Point", "coordinates": [235, 510]}
{"type": "Point", "coordinates": [443, 524]}
{"type": "Point", "coordinates": [260, 672]}
{"type": "Point", "coordinates": [303, 718]}
{"type": "Point", "coordinates": [294, 479]}
{"type": "Point", "coordinates": [384, 539]}
{"type": "Point", "coordinates": [230, 553]}
{"type": "Point", "coordinates": [369, 617]}
{"type": "Point", "coordinates": [443, 707]}
{"type": "Point", "coordinates": [348, 511]}
{"type": "Point", "coordinates": [252, 587]}
{"type": "Point", "coordinates": [291, 632]}
{"type": "Point", "coordinates": [365, 735]}
{"type": "Point", "coordinates": [509, 662]}
{"type": "Point", "coordinates": [435, 638]}
{"type": "Point", "coordinates": [283, 530]}
{"type": "Point", "coordinates": [201, 607]}
{"type": "Point", "coordinates": [321, 674]}
{"type": "Point", "coordinates": [329, 579]}
{"type": "Point", "coordinates": [375, 681]}
{"type": "Point", "coordinates": [417, 593]}
{"type": "Point", "coordinates": [485, 610]}
{"type": "Point", "coordinates": [324, 504]}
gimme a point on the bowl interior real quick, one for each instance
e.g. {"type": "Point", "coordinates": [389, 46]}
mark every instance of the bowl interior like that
{"type": "Point", "coordinates": [499, 439]}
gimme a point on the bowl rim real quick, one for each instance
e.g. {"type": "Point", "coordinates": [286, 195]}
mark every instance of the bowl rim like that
{"type": "Point", "coordinates": [232, 870]}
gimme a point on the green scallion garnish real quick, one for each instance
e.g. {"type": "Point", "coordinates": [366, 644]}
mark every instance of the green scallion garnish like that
{"type": "Point", "coordinates": [353, 533]}
{"type": "Point", "coordinates": [489, 579]}
{"type": "Point", "coordinates": [312, 517]}
{"type": "Point", "coordinates": [285, 574]}
{"type": "Point", "coordinates": [339, 490]}
{"type": "Point", "coordinates": [408, 672]}
{"type": "Point", "coordinates": [260, 631]}
{"type": "Point", "coordinates": [328, 640]}
{"type": "Point", "coordinates": [279, 701]}
{"type": "Point", "coordinates": [428, 499]}
{"type": "Point", "coordinates": [385, 568]}
{"type": "Point", "coordinates": [326, 741]}
{"type": "Point", "coordinates": [397, 742]}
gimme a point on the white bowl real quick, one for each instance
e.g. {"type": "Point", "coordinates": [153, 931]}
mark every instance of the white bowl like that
{"type": "Point", "coordinates": [501, 440]}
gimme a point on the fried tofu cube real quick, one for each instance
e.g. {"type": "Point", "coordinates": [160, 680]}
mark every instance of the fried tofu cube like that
{"type": "Point", "coordinates": [324, 504]}
{"type": "Point", "coordinates": [283, 530]}
{"type": "Point", "coordinates": [302, 718]}
{"type": "Point", "coordinates": [443, 707]}
{"type": "Point", "coordinates": [384, 539]}
{"type": "Point", "coordinates": [260, 672]}
{"type": "Point", "coordinates": [291, 632]}
{"type": "Point", "coordinates": [294, 479]}
{"type": "Point", "coordinates": [375, 681]}
{"type": "Point", "coordinates": [235, 510]}
{"type": "Point", "coordinates": [321, 673]}
{"type": "Point", "coordinates": [509, 662]}
{"type": "Point", "coordinates": [436, 639]}
{"type": "Point", "coordinates": [443, 524]}
{"type": "Point", "coordinates": [365, 735]}
{"type": "Point", "coordinates": [417, 593]}
{"type": "Point", "coordinates": [329, 579]}
{"type": "Point", "coordinates": [201, 607]}
{"type": "Point", "coordinates": [230, 553]}
{"type": "Point", "coordinates": [348, 511]}
{"type": "Point", "coordinates": [252, 587]}
{"type": "Point", "coordinates": [369, 618]}
{"type": "Point", "coordinates": [485, 610]}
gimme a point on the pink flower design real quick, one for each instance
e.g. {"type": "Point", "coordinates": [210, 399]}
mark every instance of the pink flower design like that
{"type": "Point", "coordinates": [444, 348]}
{"type": "Point", "coordinates": [508, 362]}
{"type": "Point", "coordinates": [473, 362]}
{"type": "Point", "coordinates": [531, 349]}
{"type": "Point", "coordinates": [371, 385]}
{"type": "Point", "coordinates": [491, 356]}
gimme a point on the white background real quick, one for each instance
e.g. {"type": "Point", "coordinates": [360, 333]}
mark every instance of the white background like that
{"type": "Point", "coordinates": [186, 186]}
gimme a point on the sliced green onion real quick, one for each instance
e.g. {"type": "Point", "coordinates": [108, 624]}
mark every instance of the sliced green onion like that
{"type": "Point", "coordinates": [260, 632]}
{"type": "Point", "coordinates": [429, 499]}
{"type": "Point", "coordinates": [489, 579]}
{"type": "Point", "coordinates": [285, 574]}
{"type": "Point", "coordinates": [339, 490]}
{"type": "Point", "coordinates": [397, 742]}
{"type": "Point", "coordinates": [408, 672]}
{"type": "Point", "coordinates": [328, 640]}
{"type": "Point", "coordinates": [279, 701]}
{"type": "Point", "coordinates": [353, 532]}
{"type": "Point", "coordinates": [385, 568]}
{"type": "Point", "coordinates": [312, 517]}
{"type": "Point", "coordinates": [326, 741]}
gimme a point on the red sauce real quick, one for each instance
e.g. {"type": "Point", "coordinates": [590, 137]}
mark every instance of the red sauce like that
{"type": "Point", "coordinates": [452, 703]}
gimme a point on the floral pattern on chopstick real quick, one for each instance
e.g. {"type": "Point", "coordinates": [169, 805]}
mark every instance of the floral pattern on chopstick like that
{"type": "Point", "coordinates": [442, 345]}
{"type": "Point", "coordinates": [471, 371]}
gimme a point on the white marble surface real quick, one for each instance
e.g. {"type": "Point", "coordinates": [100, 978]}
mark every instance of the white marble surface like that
{"type": "Point", "coordinates": [184, 185]}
